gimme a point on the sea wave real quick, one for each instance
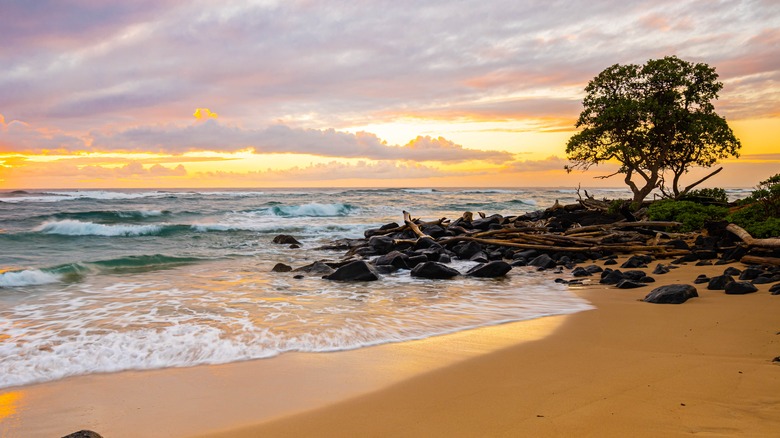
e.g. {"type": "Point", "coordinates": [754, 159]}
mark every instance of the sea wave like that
{"type": "Point", "coordinates": [27, 277]}
{"type": "Point", "coordinates": [313, 209]}
{"type": "Point", "coordinates": [420, 191]}
{"type": "Point", "coordinates": [71, 227]}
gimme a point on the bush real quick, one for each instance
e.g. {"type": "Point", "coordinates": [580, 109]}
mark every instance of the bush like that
{"type": "Point", "coordinates": [692, 215]}
{"type": "Point", "coordinates": [707, 196]}
{"type": "Point", "coordinates": [759, 214]}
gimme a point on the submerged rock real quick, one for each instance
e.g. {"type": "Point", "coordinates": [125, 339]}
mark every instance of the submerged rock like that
{"type": "Point", "coordinates": [490, 270]}
{"type": "Point", "coordinates": [317, 268]}
{"type": "Point", "coordinates": [434, 270]}
{"type": "Point", "coordinates": [281, 267]}
{"type": "Point", "coordinates": [358, 270]}
{"type": "Point", "coordinates": [671, 294]}
{"type": "Point", "coordinates": [285, 239]}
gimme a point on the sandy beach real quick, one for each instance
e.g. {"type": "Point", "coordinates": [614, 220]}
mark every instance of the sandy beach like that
{"type": "Point", "coordinates": [626, 368]}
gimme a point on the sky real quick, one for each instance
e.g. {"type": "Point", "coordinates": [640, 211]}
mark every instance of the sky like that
{"type": "Point", "coordinates": [298, 93]}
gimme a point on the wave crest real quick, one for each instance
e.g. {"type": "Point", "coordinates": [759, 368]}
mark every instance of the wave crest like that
{"type": "Point", "coordinates": [71, 227]}
{"type": "Point", "coordinates": [27, 277]}
{"type": "Point", "coordinates": [313, 209]}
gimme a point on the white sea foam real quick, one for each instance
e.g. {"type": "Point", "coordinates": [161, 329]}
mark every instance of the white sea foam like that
{"type": "Point", "coordinates": [313, 209]}
{"type": "Point", "coordinates": [419, 191]}
{"type": "Point", "coordinates": [29, 277]}
{"type": "Point", "coordinates": [78, 228]}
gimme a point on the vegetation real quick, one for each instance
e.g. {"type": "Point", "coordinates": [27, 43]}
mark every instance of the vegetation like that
{"type": "Point", "coordinates": [692, 214]}
{"type": "Point", "coordinates": [657, 120]}
{"type": "Point", "coordinates": [707, 196]}
{"type": "Point", "coordinates": [759, 213]}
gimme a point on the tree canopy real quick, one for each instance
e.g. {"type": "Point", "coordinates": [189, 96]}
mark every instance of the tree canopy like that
{"type": "Point", "coordinates": [657, 120]}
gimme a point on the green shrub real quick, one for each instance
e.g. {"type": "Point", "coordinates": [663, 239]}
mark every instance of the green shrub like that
{"type": "Point", "coordinates": [692, 215]}
{"type": "Point", "coordinates": [707, 196]}
{"type": "Point", "coordinates": [759, 214]}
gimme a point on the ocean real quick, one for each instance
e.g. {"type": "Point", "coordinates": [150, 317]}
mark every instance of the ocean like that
{"type": "Point", "coordinates": [98, 281]}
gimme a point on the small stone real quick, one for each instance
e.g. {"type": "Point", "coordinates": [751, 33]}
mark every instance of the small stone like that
{"type": "Point", "coordinates": [701, 279]}
{"type": "Point", "coordinates": [629, 284]}
{"type": "Point", "coordinates": [660, 269]}
{"type": "Point", "coordinates": [594, 269]}
{"type": "Point", "coordinates": [281, 267]}
{"type": "Point", "coordinates": [636, 261]}
{"type": "Point", "coordinates": [610, 262]}
{"type": "Point", "coordinates": [298, 276]}
{"type": "Point", "coordinates": [357, 270]}
{"type": "Point", "coordinates": [731, 271]}
{"type": "Point", "coordinates": [580, 272]}
{"type": "Point", "coordinates": [543, 261]}
{"type": "Point", "coordinates": [647, 279]}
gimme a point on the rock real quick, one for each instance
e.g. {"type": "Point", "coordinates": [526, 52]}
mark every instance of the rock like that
{"type": "Point", "coordinates": [763, 279]}
{"type": "Point", "coordinates": [294, 246]}
{"type": "Point", "coordinates": [543, 261]}
{"type": "Point", "coordinates": [433, 230]}
{"type": "Point", "coordinates": [706, 254]}
{"type": "Point", "coordinates": [393, 258]}
{"type": "Point", "coordinates": [775, 290]}
{"type": "Point", "coordinates": [525, 254]}
{"type": "Point", "coordinates": [629, 284]}
{"type": "Point", "coordinates": [636, 261]}
{"type": "Point", "coordinates": [284, 239]}
{"type": "Point", "coordinates": [434, 270]}
{"type": "Point", "coordinates": [426, 242]}
{"type": "Point", "coordinates": [660, 269]}
{"type": "Point", "coordinates": [299, 277]}
{"type": "Point", "coordinates": [386, 269]}
{"type": "Point", "coordinates": [580, 272]}
{"type": "Point", "coordinates": [612, 277]}
{"type": "Point", "coordinates": [701, 279]}
{"type": "Point", "coordinates": [732, 271]}
{"type": "Point", "coordinates": [647, 279]}
{"type": "Point", "coordinates": [719, 282]}
{"type": "Point", "coordinates": [490, 270]}
{"type": "Point", "coordinates": [318, 268]}
{"type": "Point", "coordinates": [634, 275]}
{"type": "Point", "coordinates": [371, 232]}
{"type": "Point", "coordinates": [678, 244]}
{"type": "Point", "coordinates": [610, 262]}
{"type": "Point", "coordinates": [357, 270]}
{"type": "Point", "coordinates": [671, 294]}
{"type": "Point", "coordinates": [381, 244]}
{"type": "Point", "coordinates": [444, 258]}
{"type": "Point", "coordinates": [465, 251]}
{"type": "Point", "coordinates": [740, 288]}
{"type": "Point", "coordinates": [594, 269]}
{"type": "Point", "coordinates": [520, 262]}
{"type": "Point", "coordinates": [704, 263]}
{"type": "Point", "coordinates": [281, 267]}
{"type": "Point", "coordinates": [83, 434]}
{"type": "Point", "coordinates": [750, 274]}
{"type": "Point", "coordinates": [479, 257]}
{"type": "Point", "coordinates": [415, 260]}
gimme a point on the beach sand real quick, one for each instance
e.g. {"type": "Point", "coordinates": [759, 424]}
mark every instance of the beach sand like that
{"type": "Point", "coordinates": [627, 368]}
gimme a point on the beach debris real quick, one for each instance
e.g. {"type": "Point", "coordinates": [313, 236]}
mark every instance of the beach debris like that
{"type": "Point", "coordinates": [740, 288]}
{"type": "Point", "coordinates": [357, 270]}
{"type": "Point", "coordinates": [281, 267]}
{"type": "Point", "coordinates": [671, 294]}
{"type": "Point", "coordinates": [285, 239]}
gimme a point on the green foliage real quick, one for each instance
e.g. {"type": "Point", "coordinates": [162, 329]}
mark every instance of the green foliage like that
{"type": "Point", "coordinates": [704, 196]}
{"type": "Point", "coordinates": [692, 215]}
{"type": "Point", "coordinates": [760, 212]}
{"type": "Point", "coordinates": [653, 119]}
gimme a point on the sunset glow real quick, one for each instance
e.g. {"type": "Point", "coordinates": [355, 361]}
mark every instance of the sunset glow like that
{"type": "Point", "coordinates": [248, 95]}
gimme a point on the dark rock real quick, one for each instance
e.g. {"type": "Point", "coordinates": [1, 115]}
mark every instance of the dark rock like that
{"type": "Point", "coordinates": [701, 279]}
{"type": "Point", "coordinates": [465, 251]}
{"type": "Point", "coordinates": [629, 284]}
{"type": "Point", "coordinates": [735, 254]}
{"type": "Point", "coordinates": [704, 263]}
{"type": "Point", "coordinates": [647, 279]}
{"type": "Point", "coordinates": [281, 267]}
{"type": "Point", "coordinates": [634, 275]}
{"type": "Point", "coordinates": [432, 253]}
{"type": "Point", "coordinates": [294, 246]}
{"type": "Point", "coordinates": [393, 258]}
{"type": "Point", "coordinates": [719, 282]}
{"type": "Point", "coordinates": [775, 290]}
{"type": "Point", "coordinates": [479, 257]}
{"type": "Point", "coordinates": [706, 242]}
{"type": "Point", "coordinates": [381, 244]}
{"type": "Point", "coordinates": [706, 254]}
{"type": "Point", "coordinates": [561, 281]}
{"type": "Point", "coordinates": [594, 269]}
{"type": "Point", "coordinates": [766, 280]}
{"type": "Point", "coordinates": [386, 269]}
{"type": "Point", "coordinates": [542, 261]}
{"type": "Point", "coordinates": [520, 262]}
{"type": "Point", "coordinates": [83, 434]}
{"type": "Point", "coordinates": [740, 288]}
{"type": "Point", "coordinates": [492, 269]}
{"type": "Point", "coordinates": [692, 257]}
{"type": "Point", "coordinates": [495, 255]}
{"type": "Point", "coordinates": [484, 224]}
{"type": "Point", "coordinates": [434, 270]}
{"type": "Point", "coordinates": [610, 262]}
{"type": "Point", "coordinates": [426, 242]}
{"type": "Point", "coordinates": [433, 230]}
{"type": "Point", "coordinates": [357, 270]}
{"type": "Point", "coordinates": [526, 254]}
{"type": "Point", "coordinates": [299, 276]}
{"type": "Point", "coordinates": [580, 272]}
{"type": "Point", "coordinates": [390, 226]}
{"type": "Point", "coordinates": [317, 268]}
{"type": "Point", "coordinates": [284, 239]}
{"type": "Point", "coordinates": [444, 258]}
{"type": "Point", "coordinates": [636, 261]}
{"type": "Point", "coordinates": [660, 269]}
{"type": "Point", "coordinates": [613, 277]}
{"type": "Point", "coordinates": [678, 244]}
{"type": "Point", "coordinates": [416, 260]}
{"type": "Point", "coordinates": [671, 294]}
{"type": "Point", "coordinates": [750, 274]}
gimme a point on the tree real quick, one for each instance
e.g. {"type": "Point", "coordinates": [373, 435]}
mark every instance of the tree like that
{"type": "Point", "coordinates": [656, 120]}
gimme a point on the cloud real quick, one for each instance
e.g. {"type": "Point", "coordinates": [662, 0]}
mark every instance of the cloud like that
{"type": "Point", "coordinates": [16, 136]}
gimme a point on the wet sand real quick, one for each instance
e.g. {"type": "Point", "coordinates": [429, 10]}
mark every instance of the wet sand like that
{"type": "Point", "coordinates": [627, 368]}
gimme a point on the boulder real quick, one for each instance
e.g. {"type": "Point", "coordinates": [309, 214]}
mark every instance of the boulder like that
{"type": "Point", "coordinates": [490, 270]}
{"type": "Point", "coordinates": [434, 270]}
{"type": "Point", "coordinates": [740, 288]}
{"type": "Point", "coordinates": [594, 269]}
{"type": "Point", "coordinates": [637, 261]}
{"type": "Point", "coordinates": [634, 275]}
{"type": "Point", "coordinates": [765, 279]}
{"type": "Point", "coordinates": [612, 277]}
{"type": "Point", "coordinates": [415, 260]}
{"type": "Point", "coordinates": [750, 274]}
{"type": "Point", "coordinates": [281, 267]}
{"type": "Point", "coordinates": [393, 258]}
{"type": "Point", "coordinates": [580, 272]}
{"type": "Point", "coordinates": [660, 269]}
{"type": "Point", "coordinates": [480, 257]}
{"type": "Point", "coordinates": [318, 268]}
{"type": "Point", "coordinates": [357, 270]}
{"type": "Point", "coordinates": [629, 284]}
{"type": "Point", "coordinates": [703, 263]}
{"type": "Point", "coordinates": [671, 294]}
{"type": "Point", "coordinates": [426, 242]}
{"type": "Point", "coordinates": [284, 239]}
{"type": "Point", "coordinates": [646, 279]}
{"type": "Point", "coordinates": [381, 244]}
{"type": "Point", "coordinates": [468, 249]}
{"type": "Point", "coordinates": [542, 261]}
{"type": "Point", "coordinates": [719, 282]}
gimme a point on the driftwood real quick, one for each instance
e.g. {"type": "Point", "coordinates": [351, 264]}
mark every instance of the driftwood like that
{"type": "Point", "coordinates": [756, 260]}
{"type": "Point", "coordinates": [606, 247]}
{"type": "Point", "coordinates": [638, 224]}
{"type": "Point", "coordinates": [771, 243]}
{"type": "Point", "coordinates": [413, 226]}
